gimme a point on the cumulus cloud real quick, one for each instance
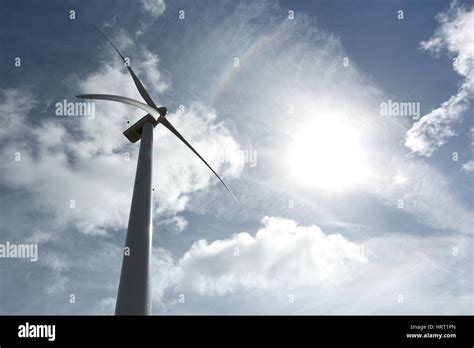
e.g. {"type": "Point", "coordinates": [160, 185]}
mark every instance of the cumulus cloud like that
{"type": "Point", "coordinates": [177, 222]}
{"type": "Point", "coordinates": [468, 166]}
{"type": "Point", "coordinates": [58, 266]}
{"type": "Point", "coordinates": [454, 36]}
{"type": "Point", "coordinates": [282, 254]}
{"type": "Point", "coordinates": [178, 171]}
{"type": "Point", "coordinates": [80, 169]}
{"type": "Point", "coordinates": [322, 273]}
{"type": "Point", "coordinates": [155, 8]}
{"type": "Point", "coordinates": [14, 108]}
{"type": "Point", "coordinates": [105, 305]}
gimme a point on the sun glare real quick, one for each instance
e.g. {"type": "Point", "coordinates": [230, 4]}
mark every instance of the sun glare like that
{"type": "Point", "coordinates": [328, 155]}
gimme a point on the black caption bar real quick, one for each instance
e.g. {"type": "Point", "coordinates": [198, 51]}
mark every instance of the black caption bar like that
{"type": "Point", "coordinates": [412, 330]}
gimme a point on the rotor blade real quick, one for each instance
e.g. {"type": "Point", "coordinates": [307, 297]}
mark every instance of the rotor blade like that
{"type": "Point", "coordinates": [173, 130]}
{"type": "Point", "coordinates": [151, 110]}
{"type": "Point", "coordinates": [138, 84]}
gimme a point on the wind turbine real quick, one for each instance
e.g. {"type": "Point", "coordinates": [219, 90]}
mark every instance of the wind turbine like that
{"type": "Point", "coordinates": [134, 293]}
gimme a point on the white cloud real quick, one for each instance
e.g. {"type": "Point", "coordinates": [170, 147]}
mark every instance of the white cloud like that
{"type": "Point", "coordinates": [163, 271]}
{"type": "Point", "coordinates": [324, 273]}
{"type": "Point", "coordinates": [178, 222]}
{"type": "Point", "coordinates": [148, 62]}
{"type": "Point", "coordinates": [178, 171]}
{"type": "Point", "coordinates": [282, 254]}
{"type": "Point", "coordinates": [427, 195]}
{"type": "Point", "coordinates": [155, 8]}
{"type": "Point", "coordinates": [78, 170]}
{"type": "Point", "coordinates": [14, 108]}
{"type": "Point", "coordinates": [105, 305]}
{"type": "Point", "coordinates": [399, 179]}
{"type": "Point", "coordinates": [468, 166]}
{"type": "Point", "coordinates": [39, 236]}
{"type": "Point", "coordinates": [455, 36]}
{"type": "Point", "coordinates": [58, 266]}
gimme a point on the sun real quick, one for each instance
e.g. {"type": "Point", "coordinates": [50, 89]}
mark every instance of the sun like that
{"type": "Point", "coordinates": [328, 155]}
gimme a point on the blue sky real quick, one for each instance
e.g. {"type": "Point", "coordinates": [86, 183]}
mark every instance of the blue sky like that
{"type": "Point", "coordinates": [321, 230]}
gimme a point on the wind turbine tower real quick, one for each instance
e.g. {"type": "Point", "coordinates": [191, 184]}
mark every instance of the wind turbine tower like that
{"type": "Point", "coordinates": [134, 293]}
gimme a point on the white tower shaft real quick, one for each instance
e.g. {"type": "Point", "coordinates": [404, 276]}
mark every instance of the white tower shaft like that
{"type": "Point", "coordinates": [134, 294]}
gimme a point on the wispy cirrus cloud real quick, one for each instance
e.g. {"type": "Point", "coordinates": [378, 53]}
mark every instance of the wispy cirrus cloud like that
{"type": "Point", "coordinates": [454, 36]}
{"type": "Point", "coordinates": [323, 95]}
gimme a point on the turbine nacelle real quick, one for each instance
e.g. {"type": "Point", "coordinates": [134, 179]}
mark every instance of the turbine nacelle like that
{"type": "Point", "coordinates": [134, 132]}
{"type": "Point", "coordinates": [162, 111]}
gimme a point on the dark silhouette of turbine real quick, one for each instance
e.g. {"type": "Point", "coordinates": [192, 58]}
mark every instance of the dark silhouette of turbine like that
{"type": "Point", "coordinates": [134, 293]}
